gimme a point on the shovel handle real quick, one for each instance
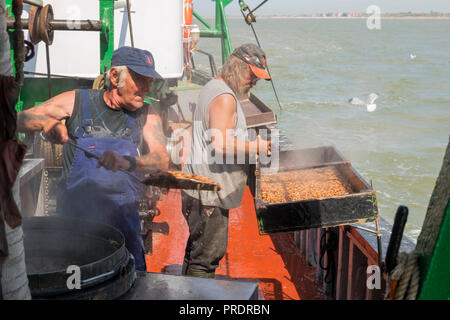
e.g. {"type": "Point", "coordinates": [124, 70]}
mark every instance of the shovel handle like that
{"type": "Point", "coordinates": [93, 155]}
{"type": "Point", "coordinates": [396, 238]}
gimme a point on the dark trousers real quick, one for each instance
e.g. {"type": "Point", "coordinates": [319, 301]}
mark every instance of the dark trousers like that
{"type": "Point", "coordinates": [208, 235]}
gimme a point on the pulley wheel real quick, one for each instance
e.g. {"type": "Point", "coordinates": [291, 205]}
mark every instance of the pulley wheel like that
{"type": "Point", "coordinates": [33, 17]}
{"type": "Point", "coordinates": [45, 29]}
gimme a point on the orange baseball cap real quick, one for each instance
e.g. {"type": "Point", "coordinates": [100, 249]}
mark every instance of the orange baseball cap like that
{"type": "Point", "coordinates": [255, 57]}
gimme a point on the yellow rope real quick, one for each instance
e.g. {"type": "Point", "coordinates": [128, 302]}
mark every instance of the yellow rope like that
{"type": "Point", "coordinates": [99, 82]}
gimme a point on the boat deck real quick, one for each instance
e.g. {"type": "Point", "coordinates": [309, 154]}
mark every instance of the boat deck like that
{"type": "Point", "coordinates": [274, 261]}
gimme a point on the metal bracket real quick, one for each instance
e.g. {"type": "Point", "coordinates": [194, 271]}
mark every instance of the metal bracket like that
{"type": "Point", "coordinates": [379, 247]}
{"type": "Point", "coordinates": [368, 230]}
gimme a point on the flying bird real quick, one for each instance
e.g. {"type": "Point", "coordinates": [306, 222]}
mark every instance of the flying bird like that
{"type": "Point", "coordinates": [370, 103]}
{"type": "Point", "coordinates": [412, 56]}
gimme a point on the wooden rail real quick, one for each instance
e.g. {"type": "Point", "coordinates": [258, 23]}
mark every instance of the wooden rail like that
{"type": "Point", "coordinates": [353, 255]}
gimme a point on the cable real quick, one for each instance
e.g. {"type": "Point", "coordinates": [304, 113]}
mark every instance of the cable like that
{"type": "Point", "coordinates": [49, 77]}
{"type": "Point", "coordinates": [129, 23]}
{"type": "Point", "coordinates": [56, 75]}
{"type": "Point", "coordinates": [259, 6]}
{"type": "Point", "coordinates": [249, 19]}
{"type": "Point", "coordinates": [268, 71]}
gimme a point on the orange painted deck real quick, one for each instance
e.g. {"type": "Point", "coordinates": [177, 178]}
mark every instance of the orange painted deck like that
{"type": "Point", "coordinates": [273, 261]}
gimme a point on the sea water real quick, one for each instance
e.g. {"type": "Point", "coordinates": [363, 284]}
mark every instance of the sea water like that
{"type": "Point", "coordinates": [317, 65]}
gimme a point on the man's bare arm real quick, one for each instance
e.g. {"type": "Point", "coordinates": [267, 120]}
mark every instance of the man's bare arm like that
{"type": "Point", "coordinates": [154, 137]}
{"type": "Point", "coordinates": [222, 117]}
{"type": "Point", "coordinates": [157, 157]}
{"type": "Point", "coordinates": [47, 116]}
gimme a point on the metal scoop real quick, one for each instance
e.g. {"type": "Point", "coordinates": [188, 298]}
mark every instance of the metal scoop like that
{"type": "Point", "coordinates": [162, 178]}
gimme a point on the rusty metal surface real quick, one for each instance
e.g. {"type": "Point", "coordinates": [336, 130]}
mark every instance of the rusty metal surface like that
{"type": "Point", "coordinates": [57, 24]}
{"type": "Point", "coordinates": [357, 206]}
{"type": "Point", "coordinates": [248, 252]}
{"type": "Point", "coordinates": [256, 112]}
{"type": "Point", "coordinates": [180, 180]}
{"type": "Point", "coordinates": [156, 286]}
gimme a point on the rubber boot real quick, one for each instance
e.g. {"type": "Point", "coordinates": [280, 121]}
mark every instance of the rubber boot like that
{"type": "Point", "coordinates": [200, 273]}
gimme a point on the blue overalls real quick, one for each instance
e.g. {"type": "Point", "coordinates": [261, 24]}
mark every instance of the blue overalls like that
{"type": "Point", "coordinates": [102, 195]}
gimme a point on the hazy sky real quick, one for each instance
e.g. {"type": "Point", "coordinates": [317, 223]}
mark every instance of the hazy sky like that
{"type": "Point", "coordinates": [290, 7]}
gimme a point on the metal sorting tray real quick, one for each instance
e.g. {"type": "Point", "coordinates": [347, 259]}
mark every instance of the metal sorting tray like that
{"type": "Point", "coordinates": [256, 112]}
{"type": "Point", "coordinates": [358, 206]}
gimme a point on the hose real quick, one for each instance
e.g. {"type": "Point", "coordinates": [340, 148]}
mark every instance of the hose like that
{"type": "Point", "coordinates": [328, 245]}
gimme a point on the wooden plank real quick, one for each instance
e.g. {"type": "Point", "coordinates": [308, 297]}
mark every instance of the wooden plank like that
{"type": "Point", "coordinates": [340, 267]}
{"type": "Point", "coordinates": [319, 271]}
{"type": "Point", "coordinates": [362, 244]}
{"type": "Point", "coordinates": [297, 239]}
{"type": "Point", "coordinates": [368, 293]}
{"type": "Point", "coordinates": [372, 259]}
{"type": "Point", "coordinates": [325, 264]}
{"type": "Point", "coordinates": [310, 248]}
{"type": "Point", "coordinates": [302, 242]}
{"type": "Point", "coordinates": [318, 232]}
{"type": "Point", "coordinates": [350, 270]}
{"type": "Point", "coordinates": [307, 247]}
{"type": "Point", "coordinates": [359, 275]}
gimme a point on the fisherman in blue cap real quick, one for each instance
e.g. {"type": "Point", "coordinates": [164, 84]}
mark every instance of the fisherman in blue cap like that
{"type": "Point", "coordinates": [122, 129]}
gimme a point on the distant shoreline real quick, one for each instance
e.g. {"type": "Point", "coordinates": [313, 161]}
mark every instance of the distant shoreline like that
{"type": "Point", "coordinates": [341, 18]}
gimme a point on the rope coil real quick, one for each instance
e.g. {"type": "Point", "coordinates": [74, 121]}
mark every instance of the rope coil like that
{"type": "Point", "coordinates": [405, 277]}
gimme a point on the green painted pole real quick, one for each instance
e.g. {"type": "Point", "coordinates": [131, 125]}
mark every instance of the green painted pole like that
{"type": "Point", "coordinates": [221, 28]}
{"type": "Point", "coordinates": [8, 7]}
{"type": "Point", "coordinates": [203, 21]}
{"type": "Point", "coordinates": [226, 43]}
{"type": "Point", "coordinates": [107, 34]}
{"type": "Point", "coordinates": [434, 239]}
{"type": "Point", "coordinates": [436, 281]}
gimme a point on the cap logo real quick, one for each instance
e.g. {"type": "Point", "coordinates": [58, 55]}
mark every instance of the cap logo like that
{"type": "Point", "coordinates": [255, 60]}
{"type": "Point", "coordinates": [149, 61]}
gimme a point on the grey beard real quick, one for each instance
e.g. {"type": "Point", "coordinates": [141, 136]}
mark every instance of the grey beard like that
{"type": "Point", "coordinates": [245, 89]}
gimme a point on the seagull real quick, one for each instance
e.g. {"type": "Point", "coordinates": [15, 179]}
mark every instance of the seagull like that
{"type": "Point", "coordinates": [412, 56]}
{"type": "Point", "coordinates": [371, 106]}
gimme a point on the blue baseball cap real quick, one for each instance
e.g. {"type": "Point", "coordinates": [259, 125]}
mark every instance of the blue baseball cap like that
{"type": "Point", "coordinates": [138, 60]}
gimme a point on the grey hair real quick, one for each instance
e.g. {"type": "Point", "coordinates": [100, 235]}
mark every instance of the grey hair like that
{"type": "Point", "coordinates": [121, 71]}
{"type": "Point", "coordinates": [233, 72]}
